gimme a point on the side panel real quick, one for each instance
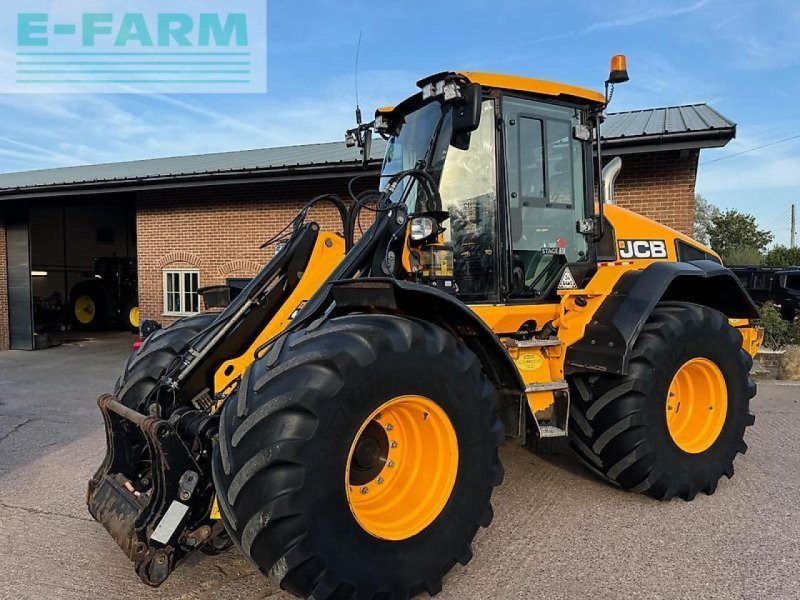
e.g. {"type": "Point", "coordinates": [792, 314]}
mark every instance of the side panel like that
{"type": "Point", "coordinates": [609, 338]}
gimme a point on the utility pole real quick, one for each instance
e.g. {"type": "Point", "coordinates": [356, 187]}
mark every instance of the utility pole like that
{"type": "Point", "coordinates": [794, 230]}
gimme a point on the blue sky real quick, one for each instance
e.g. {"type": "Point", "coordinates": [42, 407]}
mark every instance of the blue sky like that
{"type": "Point", "coordinates": [741, 56]}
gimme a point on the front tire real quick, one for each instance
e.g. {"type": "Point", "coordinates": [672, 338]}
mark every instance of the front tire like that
{"type": "Point", "coordinates": [147, 365]}
{"type": "Point", "coordinates": [290, 489]}
{"type": "Point", "coordinates": [625, 428]}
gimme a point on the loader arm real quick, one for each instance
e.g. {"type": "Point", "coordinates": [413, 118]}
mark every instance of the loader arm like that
{"type": "Point", "coordinates": [261, 311]}
{"type": "Point", "coordinates": [162, 450]}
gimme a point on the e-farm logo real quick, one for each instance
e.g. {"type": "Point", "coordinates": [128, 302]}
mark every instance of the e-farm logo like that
{"type": "Point", "coordinates": [206, 46]}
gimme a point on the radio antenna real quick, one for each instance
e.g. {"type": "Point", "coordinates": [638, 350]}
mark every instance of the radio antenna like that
{"type": "Point", "coordinates": [358, 52]}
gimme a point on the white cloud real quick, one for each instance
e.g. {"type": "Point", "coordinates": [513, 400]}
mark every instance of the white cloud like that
{"type": "Point", "coordinates": [72, 129]}
{"type": "Point", "coordinates": [762, 36]}
{"type": "Point", "coordinates": [644, 15]}
{"type": "Point", "coordinates": [758, 180]}
{"type": "Point", "coordinates": [638, 15]}
{"type": "Point", "coordinates": [757, 175]}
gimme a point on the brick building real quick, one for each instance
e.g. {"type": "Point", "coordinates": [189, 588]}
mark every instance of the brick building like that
{"type": "Point", "coordinates": [199, 220]}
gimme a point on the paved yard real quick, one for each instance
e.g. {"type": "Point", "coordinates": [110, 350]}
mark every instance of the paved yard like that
{"type": "Point", "coordinates": [557, 533]}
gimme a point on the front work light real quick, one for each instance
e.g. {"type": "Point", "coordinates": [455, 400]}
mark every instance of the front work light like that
{"type": "Point", "coordinates": [422, 228]}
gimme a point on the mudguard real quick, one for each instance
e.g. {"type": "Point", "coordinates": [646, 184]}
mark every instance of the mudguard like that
{"type": "Point", "coordinates": [429, 304]}
{"type": "Point", "coordinates": [609, 338]}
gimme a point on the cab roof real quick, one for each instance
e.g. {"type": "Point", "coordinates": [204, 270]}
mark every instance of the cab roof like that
{"type": "Point", "coordinates": [514, 83]}
{"type": "Point", "coordinates": [533, 86]}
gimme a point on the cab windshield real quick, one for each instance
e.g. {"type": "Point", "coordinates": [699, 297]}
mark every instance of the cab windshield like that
{"type": "Point", "coordinates": [417, 144]}
{"type": "Point", "coordinates": [467, 179]}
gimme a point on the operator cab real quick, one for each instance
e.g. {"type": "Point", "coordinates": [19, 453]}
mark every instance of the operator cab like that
{"type": "Point", "coordinates": [486, 138]}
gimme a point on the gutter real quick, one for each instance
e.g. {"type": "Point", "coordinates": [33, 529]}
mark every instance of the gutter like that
{"type": "Point", "coordinates": [211, 178]}
{"type": "Point", "coordinates": [621, 145]}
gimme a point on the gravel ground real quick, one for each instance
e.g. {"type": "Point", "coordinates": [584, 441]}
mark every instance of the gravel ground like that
{"type": "Point", "coordinates": [557, 532]}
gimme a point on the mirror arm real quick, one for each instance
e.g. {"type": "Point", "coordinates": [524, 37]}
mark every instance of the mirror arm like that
{"type": "Point", "coordinates": [600, 195]}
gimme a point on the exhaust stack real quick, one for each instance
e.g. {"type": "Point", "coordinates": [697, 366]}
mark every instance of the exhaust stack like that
{"type": "Point", "coordinates": [609, 177]}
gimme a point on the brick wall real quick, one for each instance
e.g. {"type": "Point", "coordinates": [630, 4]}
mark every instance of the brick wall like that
{"type": "Point", "coordinates": [3, 288]}
{"type": "Point", "coordinates": [218, 230]}
{"type": "Point", "coordinates": [660, 186]}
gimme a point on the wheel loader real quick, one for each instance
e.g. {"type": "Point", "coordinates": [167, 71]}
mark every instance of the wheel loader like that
{"type": "Point", "coordinates": [339, 421]}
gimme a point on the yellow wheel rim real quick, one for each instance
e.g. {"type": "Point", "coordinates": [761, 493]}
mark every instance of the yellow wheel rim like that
{"type": "Point", "coordinates": [401, 467]}
{"type": "Point", "coordinates": [133, 317]}
{"type": "Point", "coordinates": [697, 404]}
{"type": "Point", "coordinates": [84, 309]}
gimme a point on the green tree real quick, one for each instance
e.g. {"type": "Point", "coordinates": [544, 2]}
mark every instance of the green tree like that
{"type": "Point", "coordinates": [742, 255]}
{"type": "Point", "coordinates": [781, 256]}
{"type": "Point", "coordinates": [704, 211]}
{"type": "Point", "coordinates": [733, 229]}
{"type": "Point", "coordinates": [778, 332]}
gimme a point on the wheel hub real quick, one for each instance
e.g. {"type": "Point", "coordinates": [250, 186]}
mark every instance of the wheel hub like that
{"type": "Point", "coordinates": [697, 405]}
{"type": "Point", "coordinates": [370, 454]}
{"type": "Point", "coordinates": [401, 468]}
{"type": "Point", "coordinates": [84, 309]}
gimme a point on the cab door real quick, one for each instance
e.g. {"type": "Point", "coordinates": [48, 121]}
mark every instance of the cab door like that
{"type": "Point", "coordinates": [546, 193]}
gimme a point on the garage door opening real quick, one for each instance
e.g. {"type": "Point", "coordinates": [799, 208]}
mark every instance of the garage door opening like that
{"type": "Point", "coordinates": [83, 277]}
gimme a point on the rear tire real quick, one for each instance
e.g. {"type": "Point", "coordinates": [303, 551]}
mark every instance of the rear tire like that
{"type": "Point", "coordinates": [88, 308]}
{"type": "Point", "coordinates": [619, 426]}
{"type": "Point", "coordinates": [285, 441]}
{"type": "Point", "coordinates": [131, 317]}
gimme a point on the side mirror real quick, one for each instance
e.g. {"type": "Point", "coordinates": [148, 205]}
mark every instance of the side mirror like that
{"type": "Point", "coordinates": [466, 116]}
{"type": "Point", "coordinates": [467, 113]}
{"type": "Point", "coordinates": [366, 150]}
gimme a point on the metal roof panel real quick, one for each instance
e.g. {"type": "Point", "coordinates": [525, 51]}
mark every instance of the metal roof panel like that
{"type": "Point", "coordinates": [697, 119]}
{"type": "Point", "coordinates": [668, 120]}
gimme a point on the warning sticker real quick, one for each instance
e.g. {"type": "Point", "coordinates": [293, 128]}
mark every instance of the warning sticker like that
{"type": "Point", "coordinates": [532, 361]}
{"type": "Point", "coordinates": [567, 281]}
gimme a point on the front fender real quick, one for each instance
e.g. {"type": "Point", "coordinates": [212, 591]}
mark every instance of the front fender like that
{"type": "Point", "coordinates": [429, 304]}
{"type": "Point", "coordinates": [609, 339]}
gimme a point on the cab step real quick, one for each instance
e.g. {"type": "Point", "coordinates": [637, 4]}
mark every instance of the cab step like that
{"type": "Point", "coordinates": [512, 343]}
{"type": "Point", "coordinates": [551, 431]}
{"type": "Point", "coordinates": [547, 386]}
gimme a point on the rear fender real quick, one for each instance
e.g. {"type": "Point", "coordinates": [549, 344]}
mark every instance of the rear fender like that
{"type": "Point", "coordinates": [609, 338]}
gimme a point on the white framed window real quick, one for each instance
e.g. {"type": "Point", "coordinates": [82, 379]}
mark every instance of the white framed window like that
{"type": "Point", "coordinates": [180, 292]}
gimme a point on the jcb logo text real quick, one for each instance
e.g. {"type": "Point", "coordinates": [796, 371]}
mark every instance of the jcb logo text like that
{"type": "Point", "coordinates": [642, 249]}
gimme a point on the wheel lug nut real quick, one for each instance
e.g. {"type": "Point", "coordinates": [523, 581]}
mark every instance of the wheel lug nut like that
{"type": "Point", "coordinates": [394, 444]}
{"type": "Point", "coordinates": [379, 480]}
{"type": "Point", "coordinates": [365, 490]}
{"type": "Point", "coordinates": [378, 417]}
{"type": "Point", "coordinates": [390, 464]}
{"type": "Point", "coordinates": [389, 427]}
